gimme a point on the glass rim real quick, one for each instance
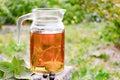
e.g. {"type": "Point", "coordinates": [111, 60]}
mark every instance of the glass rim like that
{"type": "Point", "coordinates": [48, 9]}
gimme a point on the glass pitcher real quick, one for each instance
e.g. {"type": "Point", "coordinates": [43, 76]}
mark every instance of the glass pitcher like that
{"type": "Point", "coordinates": [46, 39]}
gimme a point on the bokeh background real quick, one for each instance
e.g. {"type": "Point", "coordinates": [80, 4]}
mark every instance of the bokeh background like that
{"type": "Point", "coordinates": [77, 10]}
{"type": "Point", "coordinates": [92, 36]}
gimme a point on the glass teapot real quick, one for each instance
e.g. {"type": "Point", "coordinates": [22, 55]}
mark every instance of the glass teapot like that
{"type": "Point", "coordinates": [46, 39]}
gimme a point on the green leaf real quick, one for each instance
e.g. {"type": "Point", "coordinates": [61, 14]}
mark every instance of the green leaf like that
{"type": "Point", "coordinates": [6, 67]}
{"type": "Point", "coordinates": [20, 71]}
{"type": "Point", "coordinates": [83, 71]}
{"type": "Point", "coordinates": [17, 65]}
{"type": "Point", "coordinates": [19, 61]}
{"type": "Point", "coordinates": [8, 75]}
{"type": "Point", "coordinates": [25, 74]}
{"type": "Point", "coordinates": [102, 75]}
{"type": "Point", "coordinates": [1, 74]}
{"type": "Point", "coordinates": [104, 56]}
{"type": "Point", "coordinates": [14, 69]}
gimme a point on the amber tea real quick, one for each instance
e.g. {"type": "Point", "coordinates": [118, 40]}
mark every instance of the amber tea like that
{"type": "Point", "coordinates": [47, 51]}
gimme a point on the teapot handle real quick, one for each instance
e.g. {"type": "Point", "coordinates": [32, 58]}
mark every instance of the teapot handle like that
{"type": "Point", "coordinates": [19, 24]}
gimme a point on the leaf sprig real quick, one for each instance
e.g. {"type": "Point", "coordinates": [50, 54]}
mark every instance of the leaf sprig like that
{"type": "Point", "coordinates": [14, 70]}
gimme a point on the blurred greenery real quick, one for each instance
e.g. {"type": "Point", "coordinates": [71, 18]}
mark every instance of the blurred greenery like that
{"type": "Point", "coordinates": [81, 42]}
{"type": "Point", "coordinates": [77, 10]}
{"type": "Point", "coordinates": [11, 46]}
